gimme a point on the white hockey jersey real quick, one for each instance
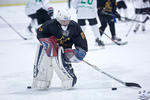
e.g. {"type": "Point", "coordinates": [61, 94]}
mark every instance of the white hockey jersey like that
{"type": "Point", "coordinates": [86, 9]}
{"type": "Point", "coordinates": [33, 5]}
{"type": "Point", "coordinates": [138, 4]}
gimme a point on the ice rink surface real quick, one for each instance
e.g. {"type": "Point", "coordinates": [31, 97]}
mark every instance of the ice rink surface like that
{"type": "Point", "coordinates": [130, 63]}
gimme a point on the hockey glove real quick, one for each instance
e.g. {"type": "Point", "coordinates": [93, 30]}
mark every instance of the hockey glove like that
{"type": "Point", "coordinates": [80, 53]}
{"type": "Point", "coordinates": [117, 15]}
{"type": "Point", "coordinates": [50, 11]}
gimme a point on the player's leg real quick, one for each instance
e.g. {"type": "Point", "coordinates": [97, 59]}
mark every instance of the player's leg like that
{"type": "Point", "coordinates": [96, 32]}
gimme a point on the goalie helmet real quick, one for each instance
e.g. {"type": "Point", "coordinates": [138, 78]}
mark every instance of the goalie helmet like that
{"type": "Point", "coordinates": [63, 17]}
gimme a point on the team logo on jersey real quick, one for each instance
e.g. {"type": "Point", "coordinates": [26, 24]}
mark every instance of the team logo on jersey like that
{"type": "Point", "coordinates": [40, 29]}
{"type": "Point", "coordinates": [82, 35]}
{"type": "Point", "coordinates": [108, 6]}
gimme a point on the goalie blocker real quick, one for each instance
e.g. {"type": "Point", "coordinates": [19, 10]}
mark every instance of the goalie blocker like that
{"type": "Point", "coordinates": [50, 57]}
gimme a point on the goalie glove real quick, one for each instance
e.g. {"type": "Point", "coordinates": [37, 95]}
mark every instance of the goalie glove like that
{"type": "Point", "coordinates": [80, 53]}
{"type": "Point", "coordinates": [75, 55]}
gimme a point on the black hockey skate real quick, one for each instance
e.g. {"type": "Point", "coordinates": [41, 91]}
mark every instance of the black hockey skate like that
{"type": "Point", "coordinates": [136, 28]}
{"type": "Point", "coordinates": [114, 38]}
{"type": "Point", "coordinates": [99, 42]}
{"type": "Point", "coordinates": [143, 28]}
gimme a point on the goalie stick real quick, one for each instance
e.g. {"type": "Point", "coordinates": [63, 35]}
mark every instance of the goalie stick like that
{"type": "Point", "coordinates": [128, 84]}
{"type": "Point", "coordinates": [13, 28]}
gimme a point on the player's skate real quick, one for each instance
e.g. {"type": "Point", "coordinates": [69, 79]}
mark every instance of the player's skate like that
{"type": "Point", "coordinates": [143, 28]}
{"type": "Point", "coordinates": [99, 42]}
{"type": "Point", "coordinates": [114, 38]}
{"type": "Point", "coordinates": [136, 28]}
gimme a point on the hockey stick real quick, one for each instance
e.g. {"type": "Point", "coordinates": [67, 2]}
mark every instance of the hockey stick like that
{"type": "Point", "coordinates": [117, 43]}
{"type": "Point", "coordinates": [132, 25]}
{"type": "Point", "coordinates": [128, 84]}
{"type": "Point", "coordinates": [110, 14]}
{"type": "Point", "coordinates": [13, 28]}
{"type": "Point", "coordinates": [144, 21]}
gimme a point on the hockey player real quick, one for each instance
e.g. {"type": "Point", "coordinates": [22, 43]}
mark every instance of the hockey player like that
{"type": "Point", "coordinates": [39, 11]}
{"type": "Point", "coordinates": [121, 5]}
{"type": "Point", "coordinates": [138, 4]}
{"type": "Point", "coordinates": [107, 13]}
{"type": "Point", "coordinates": [55, 51]}
{"type": "Point", "coordinates": [142, 7]}
{"type": "Point", "coordinates": [87, 10]}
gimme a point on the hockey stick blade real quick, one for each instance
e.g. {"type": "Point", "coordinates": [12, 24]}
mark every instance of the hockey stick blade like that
{"type": "Point", "coordinates": [121, 43]}
{"type": "Point", "coordinates": [132, 85]}
{"type": "Point", "coordinates": [128, 84]}
{"type": "Point", "coordinates": [117, 43]}
{"type": "Point", "coordinates": [29, 87]}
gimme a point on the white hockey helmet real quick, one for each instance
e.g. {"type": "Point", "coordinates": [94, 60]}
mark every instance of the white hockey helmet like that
{"type": "Point", "coordinates": [63, 17]}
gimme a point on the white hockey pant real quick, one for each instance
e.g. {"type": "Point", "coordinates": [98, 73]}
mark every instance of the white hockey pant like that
{"type": "Point", "coordinates": [95, 31]}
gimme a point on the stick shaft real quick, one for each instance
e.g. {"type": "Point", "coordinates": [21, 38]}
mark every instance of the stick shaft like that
{"type": "Point", "coordinates": [12, 28]}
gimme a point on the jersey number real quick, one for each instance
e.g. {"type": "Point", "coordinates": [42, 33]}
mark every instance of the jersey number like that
{"type": "Point", "coordinates": [87, 1]}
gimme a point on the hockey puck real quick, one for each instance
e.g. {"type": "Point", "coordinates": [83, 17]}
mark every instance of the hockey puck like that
{"type": "Point", "coordinates": [113, 89]}
{"type": "Point", "coordinates": [25, 39]}
{"type": "Point", "coordinates": [28, 87]}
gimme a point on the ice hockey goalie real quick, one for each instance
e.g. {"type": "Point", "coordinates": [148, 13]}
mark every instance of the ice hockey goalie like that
{"type": "Point", "coordinates": [55, 52]}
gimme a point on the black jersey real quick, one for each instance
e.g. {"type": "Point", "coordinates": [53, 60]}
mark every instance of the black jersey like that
{"type": "Point", "coordinates": [75, 36]}
{"type": "Point", "coordinates": [107, 5]}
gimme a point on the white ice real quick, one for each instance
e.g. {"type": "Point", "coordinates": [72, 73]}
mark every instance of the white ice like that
{"type": "Point", "coordinates": [130, 63]}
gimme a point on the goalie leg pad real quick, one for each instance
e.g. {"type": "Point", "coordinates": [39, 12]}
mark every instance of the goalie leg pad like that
{"type": "Point", "coordinates": [65, 71]}
{"type": "Point", "coordinates": [43, 71]}
{"type": "Point", "coordinates": [67, 76]}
